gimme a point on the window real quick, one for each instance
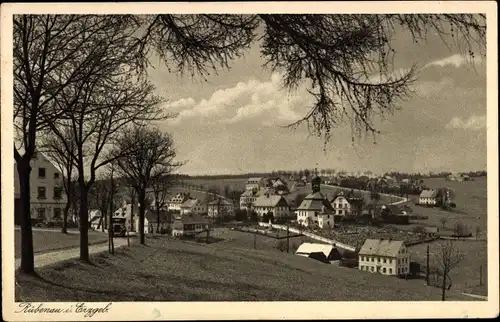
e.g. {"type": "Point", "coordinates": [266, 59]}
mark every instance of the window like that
{"type": "Point", "coordinates": [42, 193]}
{"type": "Point", "coordinates": [57, 192]}
{"type": "Point", "coordinates": [41, 173]}
{"type": "Point", "coordinates": [385, 260]}
{"type": "Point", "coordinates": [383, 270]}
{"type": "Point", "coordinates": [41, 212]}
{"type": "Point", "coordinates": [56, 175]}
{"type": "Point", "coordinates": [372, 259]}
{"type": "Point", "coordinates": [390, 270]}
{"type": "Point", "coordinates": [373, 269]}
{"type": "Point", "coordinates": [57, 213]}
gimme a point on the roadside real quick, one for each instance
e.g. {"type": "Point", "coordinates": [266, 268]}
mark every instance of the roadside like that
{"type": "Point", "coordinates": [55, 256]}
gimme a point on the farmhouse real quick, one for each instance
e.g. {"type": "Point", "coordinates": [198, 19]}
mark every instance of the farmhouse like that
{"type": "Point", "coordinates": [189, 225]}
{"type": "Point", "coordinates": [315, 210]}
{"type": "Point", "coordinates": [220, 208]}
{"type": "Point", "coordinates": [321, 252]}
{"type": "Point", "coordinates": [346, 204]}
{"type": "Point", "coordinates": [272, 204]}
{"type": "Point", "coordinates": [428, 197]}
{"type": "Point", "coordinates": [176, 202]}
{"type": "Point", "coordinates": [384, 256]}
{"type": "Point", "coordinates": [194, 206]}
{"type": "Point", "coordinates": [47, 195]}
{"type": "Point", "coordinates": [248, 197]}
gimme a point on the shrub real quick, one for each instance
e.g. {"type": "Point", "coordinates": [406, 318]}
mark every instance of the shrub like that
{"type": "Point", "coordinates": [281, 246]}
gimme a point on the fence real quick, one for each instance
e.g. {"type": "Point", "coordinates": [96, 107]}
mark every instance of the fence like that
{"type": "Point", "coordinates": [310, 235]}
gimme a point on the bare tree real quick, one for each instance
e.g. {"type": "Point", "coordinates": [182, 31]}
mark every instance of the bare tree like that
{"type": "Point", "coordinates": [101, 196]}
{"type": "Point", "coordinates": [53, 148]}
{"type": "Point", "coordinates": [100, 105]}
{"type": "Point", "coordinates": [44, 46]}
{"type": "Point", "coordinates": [151, 158]}
{"type": "Point", "coordinates": [448, 258]}
{"type": "Point", "coordinates": [161, 189]}
{"type": "Point", "coordinates": [443, 222]}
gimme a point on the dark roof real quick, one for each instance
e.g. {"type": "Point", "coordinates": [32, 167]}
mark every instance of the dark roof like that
{"type": "Point", "coordinates": [271, 201]}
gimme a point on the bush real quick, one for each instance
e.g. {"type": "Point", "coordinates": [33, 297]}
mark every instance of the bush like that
{"type": "Point", "coordinates": [281, 246]}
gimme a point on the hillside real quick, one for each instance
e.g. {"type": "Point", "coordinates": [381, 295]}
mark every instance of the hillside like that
{"type": "Point", "coordinates": [171, 270]}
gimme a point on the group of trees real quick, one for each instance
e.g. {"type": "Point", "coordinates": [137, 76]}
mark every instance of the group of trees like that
{"type": "Point", "coordinates": [84, 75]}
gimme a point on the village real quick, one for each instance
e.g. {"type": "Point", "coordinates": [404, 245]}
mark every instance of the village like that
{"type": "Point", "coordinates": [363, 229]}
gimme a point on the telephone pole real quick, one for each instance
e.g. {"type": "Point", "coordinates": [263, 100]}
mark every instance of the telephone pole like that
{"type": "Point", "coordinates": [288, 236]}
{"type": "Point", "coordinates": [427, 268]}
{"type": "Point", "coordinates": [110, 228]}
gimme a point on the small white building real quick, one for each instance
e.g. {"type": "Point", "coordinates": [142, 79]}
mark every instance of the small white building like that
{"type": "Point", "coordinates": [220, 208]}
{"type": "Point", "coordinates": [194, 206]}
{"type": "Point", "coordinates": [248, 198]}
{"type": "Point", "coordinates": [315, 210]}
{"type": "Point", "coordinates": [384, 256]}
{"type": "Point", "coordinates": [322, 252]}
{"type": "Point", "coordinates": [275, 204]}
{"type": "Point", "coordinates": [428, 197]}
{"type": "Point", "coordinates": [189, 225]}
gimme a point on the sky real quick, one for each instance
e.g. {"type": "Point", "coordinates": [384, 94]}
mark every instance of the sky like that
{"type": "Point", "coordinates": [233, 122]}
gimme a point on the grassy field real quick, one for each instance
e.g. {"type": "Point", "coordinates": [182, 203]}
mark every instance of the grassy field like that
{"type": "Point", "coordinates": [466, 276]}
{"type": "Point", "coordinates": [172, 270]}
{"type": "Point", "coordinates": [44, 241]}
{"type": "Point", "coordinates": [471, 199]}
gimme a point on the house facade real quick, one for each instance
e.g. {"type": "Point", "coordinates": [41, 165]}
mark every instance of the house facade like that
{"type": "Point", "coordinates": [193, 206]}
{"type": "Point", "coordinates": [47, 191]}
{"type": "Point", "coordinates": [383, 256]}
{"type": "Point", "coordinates": [220, 208]}
{"type": "Point", "coordinates": [153, 225]}
{"type": "Point", "coordinates": [428, 197]}
{"type": "Point", "coordinates": [248, 197]}
{"type": "Point", "coordinates": [315, 210]}
{"type": "Point", "coordinates": [275, 204]}
{"type": "Point", "coordinates": [189, 225]}
{"type": "Point", "coordinates": [254, 183]}
{"type": "Point", "coordinates": [176, 202]}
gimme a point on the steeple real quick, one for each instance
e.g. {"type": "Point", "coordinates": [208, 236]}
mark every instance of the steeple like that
{"type": "Point", "coordinates": [316, 182]}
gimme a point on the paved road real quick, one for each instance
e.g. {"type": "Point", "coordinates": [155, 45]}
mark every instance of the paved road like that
{"type": "Point", "coordinates": [53, 257]}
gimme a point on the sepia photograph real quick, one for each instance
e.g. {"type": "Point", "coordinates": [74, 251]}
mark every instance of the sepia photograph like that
{"type": "Point", "coordinates": [279, 155]}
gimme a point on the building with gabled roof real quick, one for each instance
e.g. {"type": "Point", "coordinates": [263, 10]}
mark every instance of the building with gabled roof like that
{"type": "Point", "coordinates": [275, 204]}
{"type": "Point", "coordinates": [315, 210]}
{"type": "Point", "coordinates": [254, 183]}
{"type": "Point", "coordinates": [176, 202]}
{"type": "Point", "coordinates": [189, 225]}
{"type": "Point", "coordinates": [194, 206]}
{"type": "Point", "coordinates": [428, 197]}
{"type": "Point", "coordinates": [384, 256]}
{"type": "Point", "coordinates": [322, 252]}
{"type": "Point", "coordinates": [220, 208]}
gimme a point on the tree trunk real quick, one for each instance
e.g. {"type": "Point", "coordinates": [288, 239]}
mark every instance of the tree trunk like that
{"type": "Point", "coordinates": [64, 229]}
{"type": "Point", "coordinates": [84, 224]}
{"type": "Point", "coordinates": [27, 257]}
{"type": "Point", "coordinates": [443, 287]}
{"type": "Point", "coordinates": [157, 220]}
{"type": "Point", "coordinates": [142, 210]}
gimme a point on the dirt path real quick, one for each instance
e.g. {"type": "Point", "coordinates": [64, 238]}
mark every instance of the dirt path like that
{"type": "Point", "coordinates": [55, 256]}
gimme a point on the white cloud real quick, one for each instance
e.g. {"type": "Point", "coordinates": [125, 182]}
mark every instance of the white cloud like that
{"type": "Point", "coordinates": [472, 123]}
{"type": "Point", "coordinates": [253, 99]}
{"type": "Point", "coordinates": [456, 60]}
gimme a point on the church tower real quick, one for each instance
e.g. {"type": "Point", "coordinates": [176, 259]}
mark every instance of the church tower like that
{"type": "Point", "coordinates": [316, 182]}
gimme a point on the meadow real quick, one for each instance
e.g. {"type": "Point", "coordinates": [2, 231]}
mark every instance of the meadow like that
{"type": "Point", "coordinates": [171, 270]}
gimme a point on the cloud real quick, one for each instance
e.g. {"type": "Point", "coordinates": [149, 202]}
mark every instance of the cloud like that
{"type": "Point", "coordinates": [472, 123]}
{"type": "Point", "coordinates": [258, 100]}
{"type": "Point", "coordinates": [456, 60]}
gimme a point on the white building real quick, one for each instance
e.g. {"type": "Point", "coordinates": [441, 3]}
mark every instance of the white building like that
{"type": "Point", "coordinates": [387, 257]}
{"type": "Point", "coordinates": [193, 206]}
{"type": "Point", "coordinates": [275, 204]}
{"type": "Point", "coordinates": [254, 183]}
{"type": "Point", "coordinates": [248, 198]}
{"type": "Point", "coordinates": [428, 197]}
{"type": "Point", "coordinates": [315, 210]}
{"type": "Point", "coordinates": [322, 252]}
{"type": "Point", "coordinates": [220, 208]}
{"type": "Point", "coordinates": [176, 202]}
{"type": "Point", "coordinates": [47, 200]}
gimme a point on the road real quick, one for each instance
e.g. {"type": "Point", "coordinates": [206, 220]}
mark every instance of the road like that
{"type": "Point", "coordinates": [55, 256]}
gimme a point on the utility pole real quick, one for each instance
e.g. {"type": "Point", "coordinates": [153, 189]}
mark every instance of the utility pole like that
{"type": "Point", "coordinates": [288, 236]}
{"type": "Point", "coordinates": [481, 275]}
{"type": "Point", "coordinates": [254, 240]}
{"type": "Point", "coordinates": [427, 268]}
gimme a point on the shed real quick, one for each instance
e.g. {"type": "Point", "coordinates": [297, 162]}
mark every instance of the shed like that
{"type": "Point", "coordinates": [321, 252]}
